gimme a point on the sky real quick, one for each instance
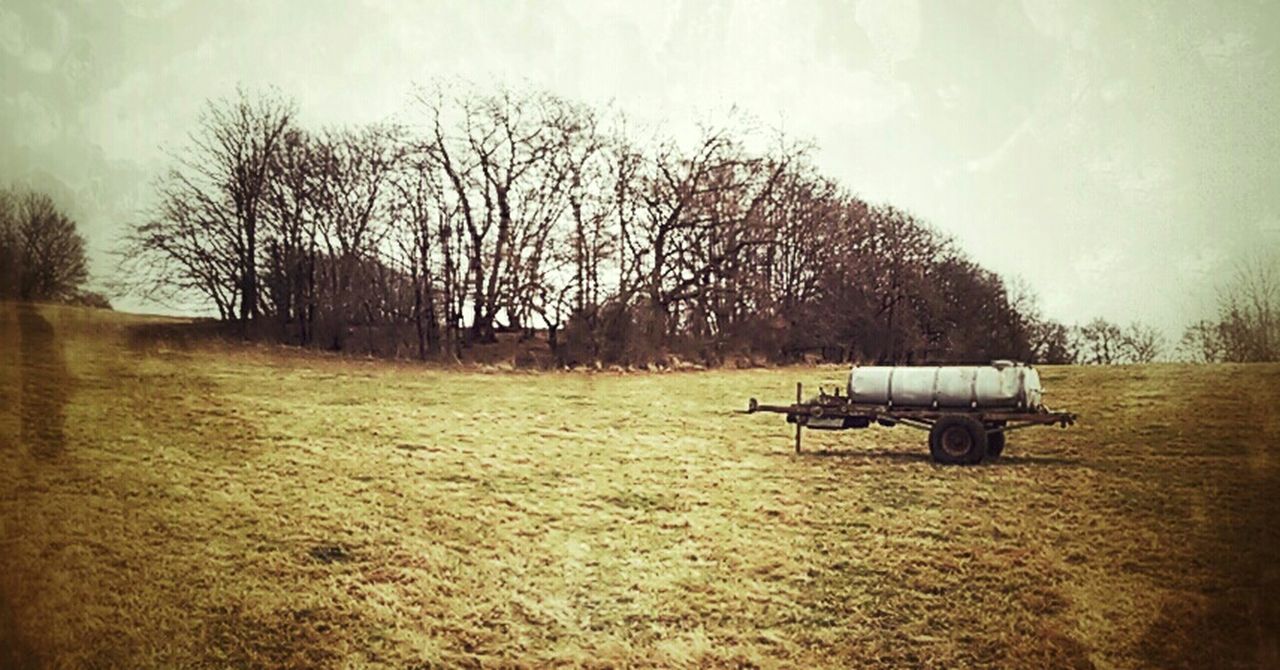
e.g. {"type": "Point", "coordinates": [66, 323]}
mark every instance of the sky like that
{"type": "Point", "coordinates": [1120, 158]}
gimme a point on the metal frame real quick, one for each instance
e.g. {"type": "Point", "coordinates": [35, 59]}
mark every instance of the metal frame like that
{"type": "Point", "coordinates": [834, 405]}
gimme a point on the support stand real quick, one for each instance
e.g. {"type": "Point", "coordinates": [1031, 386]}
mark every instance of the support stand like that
{"type": "Point", "coordinates": [799, 399]}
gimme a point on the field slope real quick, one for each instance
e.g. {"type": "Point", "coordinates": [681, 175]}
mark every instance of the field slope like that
{"type": "Point", "coordinates": [166, 503]}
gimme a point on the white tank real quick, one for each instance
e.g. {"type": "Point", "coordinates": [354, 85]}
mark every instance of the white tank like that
{"type": "Point", "coordinates": [1003, 384]}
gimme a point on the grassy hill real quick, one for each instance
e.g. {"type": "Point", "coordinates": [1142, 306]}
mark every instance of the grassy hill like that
{"type": "Point", "coordinates": [171, 503]}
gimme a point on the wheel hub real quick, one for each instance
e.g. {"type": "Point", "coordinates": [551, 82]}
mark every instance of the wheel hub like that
{"type": "Point", "coordinates": [957, 441]}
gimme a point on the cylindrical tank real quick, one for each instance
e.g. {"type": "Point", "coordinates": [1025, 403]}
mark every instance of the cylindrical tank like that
{"type": "Point", "coordinates": [1003, 384]}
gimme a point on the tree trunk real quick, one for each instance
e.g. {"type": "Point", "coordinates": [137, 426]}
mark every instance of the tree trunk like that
{"type": "Point", "coordinates": [249, 287]}
{"type": "Point", "coordinates": [417, 319]}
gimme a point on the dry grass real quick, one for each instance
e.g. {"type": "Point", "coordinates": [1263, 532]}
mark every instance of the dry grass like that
{"type": "Point", "coordinates": [184, 505]}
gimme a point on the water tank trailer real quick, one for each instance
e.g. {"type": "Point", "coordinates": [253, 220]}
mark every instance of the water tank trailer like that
{"type": "Point", "coordinates": [967, 409]}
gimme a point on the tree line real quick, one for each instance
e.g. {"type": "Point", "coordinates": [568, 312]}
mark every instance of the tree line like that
{"type": "Point", "coordinates": [519, 215]}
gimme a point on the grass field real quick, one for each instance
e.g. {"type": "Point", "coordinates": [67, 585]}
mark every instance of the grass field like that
{"type": "Point", "coordinates": [170, 504]}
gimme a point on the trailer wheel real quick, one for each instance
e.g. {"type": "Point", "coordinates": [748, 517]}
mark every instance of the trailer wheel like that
{"type": "Point", "coordinates": [995, 444]}
{"type": "Point", "coordinates": [958, 439]}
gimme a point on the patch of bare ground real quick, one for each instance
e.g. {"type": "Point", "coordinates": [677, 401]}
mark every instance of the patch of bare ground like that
{"type": "Point", "coordinates": [212, 505]}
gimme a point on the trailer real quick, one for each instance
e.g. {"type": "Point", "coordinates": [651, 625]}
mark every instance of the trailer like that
{"type": "Point", "coordinates": [967, 410]}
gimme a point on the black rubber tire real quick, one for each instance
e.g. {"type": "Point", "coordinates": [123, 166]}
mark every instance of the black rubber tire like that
{"type": "Point", "coordinates": [957, 439]}
{"type": "Point", "coordinates": [995, 444]}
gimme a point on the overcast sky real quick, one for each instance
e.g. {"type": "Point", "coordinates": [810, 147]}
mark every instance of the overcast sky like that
{"type": "Point", "coordinates": [1119, 156]}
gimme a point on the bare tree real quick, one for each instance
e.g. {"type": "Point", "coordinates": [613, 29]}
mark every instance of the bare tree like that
{"type": "Point", "coordinates": [417, 209]}
{"type": "Point", "coordinates": [503, 181]}
{"type": "Point", "coordinates": [183, 250]}
{"type": "Point", "coordinates": [1101, 342]}
{"type": "Point", "coordinates": [1247, 328]}
{"type": "Point", "coordinates": [1141, 343]}
{"type": "Point", "coordinates": [725, 291]}
{"type": "Point", "coordinates": [1249, 311]}
{"type": "Point", "coordinates": [290, 210]}
{"type": "Point", "coordinates": [701, 213]}
{"type": "Point", "coordinates": [236, 146]}
{"type": "Point", "coordinates": [803, 208]}
{"type": "Point", "coordinates": [1202, 342]}
{"type": "Point", "coordinates": [589, 238]}
{"type": "Point", "coordinates": [42, 255]}
{"type": "Point", "coordinates": [203, 236]}
{"type": "Point", "coordinates": [10, 246]}
{"type": "Point", "coordinates": [895, 252]}
{"type": "Point", "coordinates": [1051, 343]}
{"type": "Point", "coordinates": [354, 172]}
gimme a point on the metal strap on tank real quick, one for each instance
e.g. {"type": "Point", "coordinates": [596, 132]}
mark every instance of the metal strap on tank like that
{"type": "Point", "coordinates": [973, 389]}
{"type": "Point", "coordinates": [936, 372]}
{"type": "Point", "coordinates": [888, 393]}
{"type": "Point", "coordinates": [1022, 386]}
